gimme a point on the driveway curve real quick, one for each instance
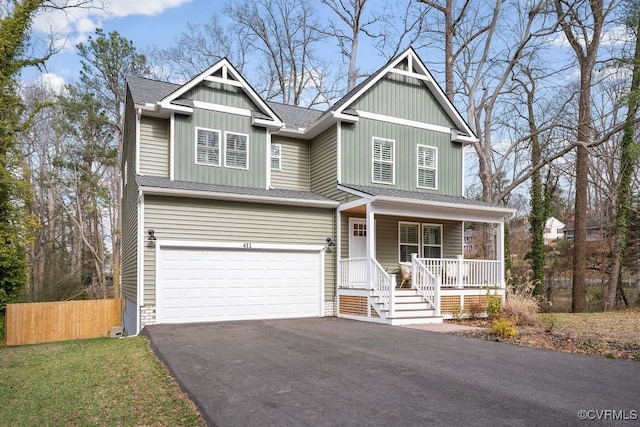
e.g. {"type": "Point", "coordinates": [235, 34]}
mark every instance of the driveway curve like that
{"type": "Point", "coordinates": [336, 372]}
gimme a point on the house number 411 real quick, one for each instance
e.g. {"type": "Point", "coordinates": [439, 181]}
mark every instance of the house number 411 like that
{"type": "Point", "coordinates": [246, 245]}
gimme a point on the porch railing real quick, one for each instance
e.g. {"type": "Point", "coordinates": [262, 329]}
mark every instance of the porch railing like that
{"type": "Point", "coordinates": [352, 273]}
{"type": "Point", "coordinates": [464, 272]}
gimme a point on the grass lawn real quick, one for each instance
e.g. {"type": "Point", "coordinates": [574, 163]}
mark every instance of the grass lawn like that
{"type": "Point", "coordinates": [102, 381]}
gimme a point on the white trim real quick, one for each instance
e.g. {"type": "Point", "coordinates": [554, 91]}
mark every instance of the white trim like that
{"type": "Point", "coordinates": [410, 73]}
{"type": "Point", "coordinates": [140, 260]}
{"type": "Point", "coordinates": [137, 142]}
{"type": "Point", "coordinates": [418, 167]}
{"type": "Point", "coordinates": [423, 244]}
{"type": "Point", "coordinates": [156, 191]}
{"type": "Point", "coordinates": [407, 244]}
{"type": "Point", "coordinates": [222, 108]}
{"type": "Point", "coordinates": [223, 80]}
{"type": "Point", "coordinates": [172, 148]}
{"type": "Point", "coordinates": [270, 156]}
{"type": "Point", "coordinates": [238, 245]}
{"type": "Point", "coordinates": [403, 122]}
{"type": "Point", "coordinates": [220, 151]}
{"type": "Point", "coordinates": [227, 70]}
{"type": "Point", "coordinates": [339, 151]}
{"type": "Point", "coordinates": [462, 234]}
{"type": "Point", "coordinates": [174, 108]}
{"type": "Point", "coordinates": [354, 204]}
{"type": "Point", "coordinates": [392, 162]}
{"type": "Point", "coordinates": [226, 149]}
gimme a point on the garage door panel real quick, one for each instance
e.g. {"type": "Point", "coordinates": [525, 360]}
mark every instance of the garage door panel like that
{"type": "Point", "coordinates": [197, 285]}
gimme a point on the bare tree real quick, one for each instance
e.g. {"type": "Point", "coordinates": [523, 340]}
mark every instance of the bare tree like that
{"type": "Point", "coordinates": [207, 43]}
{"type": "Point", "coordinates": [582, 22]}
{"type": "Point", "coordinates": [285, 33]}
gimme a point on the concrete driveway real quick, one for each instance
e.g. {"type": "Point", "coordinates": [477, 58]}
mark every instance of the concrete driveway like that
{"type": "Point", "coordinates": [336, 372]}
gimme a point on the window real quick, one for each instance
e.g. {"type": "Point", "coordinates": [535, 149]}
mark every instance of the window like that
{"type": "Point", "coordinates": [427, 167]}
{"type": "Point", "coordinates": [276, 157]}
{"type": "Point", "coordinates": [383, 161]}
{"type": "Point", "coordinates": [359, 229]}
{"type": "Point", "coordinates": [431, 241]}
{"type": "Point", "coordinates": [236, 150]}
{"type": "Point", "coordinates": [207, 147]}
{"type": "Point", "coordinates": [409, 240]}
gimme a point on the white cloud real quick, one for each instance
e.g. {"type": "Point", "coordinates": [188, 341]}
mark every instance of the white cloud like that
{"type": "Point", "coordinates": [73, 25]}
{"type": "Point", "coordinates": [52, 81]}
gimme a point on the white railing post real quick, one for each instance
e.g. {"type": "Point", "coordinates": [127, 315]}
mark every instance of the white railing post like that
{"type": "Point", "coordinates": [436, 296]}
{"type": "Point", "coordinates": [392, 295]}
{"type": "Point", "coordinates": [459, 270]}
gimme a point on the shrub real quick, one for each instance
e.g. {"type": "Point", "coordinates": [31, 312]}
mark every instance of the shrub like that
{"type": "Point", "coordinates": [503, 328]}
{"type": "Point", "coordinates": [547, 321]}
{"type": "Point", "coordinates": [459, 313]}
{"type": "Point", "coordinates": [521, 305]}
{"type": "Point", "coordinates": [494, 304]}
{"type": "Point", "coordinates": [476, 309]}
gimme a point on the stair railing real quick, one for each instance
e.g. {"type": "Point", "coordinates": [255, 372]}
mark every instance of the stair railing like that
{"type": "Point", "coordinates": [426, 283]}
{"type": "Point", "coordinates": [383, 286]}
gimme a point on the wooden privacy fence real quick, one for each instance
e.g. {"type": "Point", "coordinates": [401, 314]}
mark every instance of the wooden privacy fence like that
{"type": "Point", "coordinates": [40, 322]}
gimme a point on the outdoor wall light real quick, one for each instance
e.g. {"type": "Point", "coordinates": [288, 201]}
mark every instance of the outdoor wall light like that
{"type": "Point", "coordinates": [152, 235]}
{"type": "Point", "coordinates": [330, 242]}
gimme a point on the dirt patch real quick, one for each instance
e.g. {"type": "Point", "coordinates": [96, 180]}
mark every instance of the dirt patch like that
{"type": "Point", "coordinates": [614, 335]}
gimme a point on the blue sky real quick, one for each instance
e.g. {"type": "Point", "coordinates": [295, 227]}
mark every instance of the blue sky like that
{"type": "Point", "coordinates": [145, 22]}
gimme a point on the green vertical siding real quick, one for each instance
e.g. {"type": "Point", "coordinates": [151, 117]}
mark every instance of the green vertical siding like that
{"type": "Point", "coordinates": [129, 261]}
{"type": "Point", "coordinates": [387, 237]}
{"type": "Point", "coordinates": [186, 168]}
{"type": "Point", "coordinates": [294, 173]}
{"type": "Point", "coordinates": [357, 156]}
{"type": "Point", "coordinates": [403, 97]}
{"type": "Point", "coordinates": [154, 146]}
{"type": "Point", "coordinates": [217, 93]}
{"type": "Point", "coordinates": [223, 221]}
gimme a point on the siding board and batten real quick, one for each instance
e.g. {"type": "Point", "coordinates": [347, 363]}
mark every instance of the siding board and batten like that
{"type": "Point", "coordinates": [42, 322]}
{"type": "Point", "coordinates": [184, 150]}
{"type": "Point", "coordinates": [356, 156]}
{"type": "Point", "coordinates": [403, 97]}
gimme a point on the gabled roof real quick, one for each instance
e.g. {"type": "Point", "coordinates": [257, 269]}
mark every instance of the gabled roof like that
{"type": "Point", "coordinates": [304, 122]}
{"type": "Point", "coordinates": [418, 70]}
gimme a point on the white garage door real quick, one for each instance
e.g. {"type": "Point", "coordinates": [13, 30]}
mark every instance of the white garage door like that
{"type": "Point", "coordinates": [203, 285]}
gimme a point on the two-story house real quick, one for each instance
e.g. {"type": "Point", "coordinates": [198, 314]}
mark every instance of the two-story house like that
{"type": "Point", "coordinates": [238, 208]}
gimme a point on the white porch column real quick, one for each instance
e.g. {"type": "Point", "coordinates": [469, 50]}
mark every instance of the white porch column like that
{"type": "Point", "coordinates": [371, 241]}
{"type": "Point", "coordinates": [500, 251]}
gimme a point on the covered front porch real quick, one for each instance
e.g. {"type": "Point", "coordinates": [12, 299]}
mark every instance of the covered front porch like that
{"type": "Point", "coordinates": [401, 259]}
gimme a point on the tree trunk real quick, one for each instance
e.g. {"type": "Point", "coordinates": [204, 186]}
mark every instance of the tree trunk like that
{"type": "Point", "coordinates": [628, 160]}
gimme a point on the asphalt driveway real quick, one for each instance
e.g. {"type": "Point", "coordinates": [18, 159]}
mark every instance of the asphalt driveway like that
{"type": "Point", "coordinates": [336, 372]}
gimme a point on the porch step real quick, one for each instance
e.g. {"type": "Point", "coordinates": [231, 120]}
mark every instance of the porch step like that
{"type": "Point", "coordinates": [416, 320]}
{"type": "Point", "coordinates": [407, 314]}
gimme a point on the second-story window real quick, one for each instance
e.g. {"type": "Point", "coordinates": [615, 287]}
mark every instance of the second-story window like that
{"type": "Point", "coordinates": [383, 159]}
{"type": "Point", "coordinates": [207, 147]}
{"type": "Point", "coordinates": [236, 150]}
{"type": "Point", "coordinates": [276, 157]}
{"type": "Point", "coordinates": [427, 167]}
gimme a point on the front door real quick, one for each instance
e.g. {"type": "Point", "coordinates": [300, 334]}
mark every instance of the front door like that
{"type": "Point", "coordinates": [357, 238]}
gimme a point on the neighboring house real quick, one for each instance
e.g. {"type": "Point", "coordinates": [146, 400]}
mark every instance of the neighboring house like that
{"type": "Point", "coordinates": [553, 230]}
{"type": "Point", "coordinates": [596, 230]}
{"type": "Point", "coordinates": [237, 208]}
